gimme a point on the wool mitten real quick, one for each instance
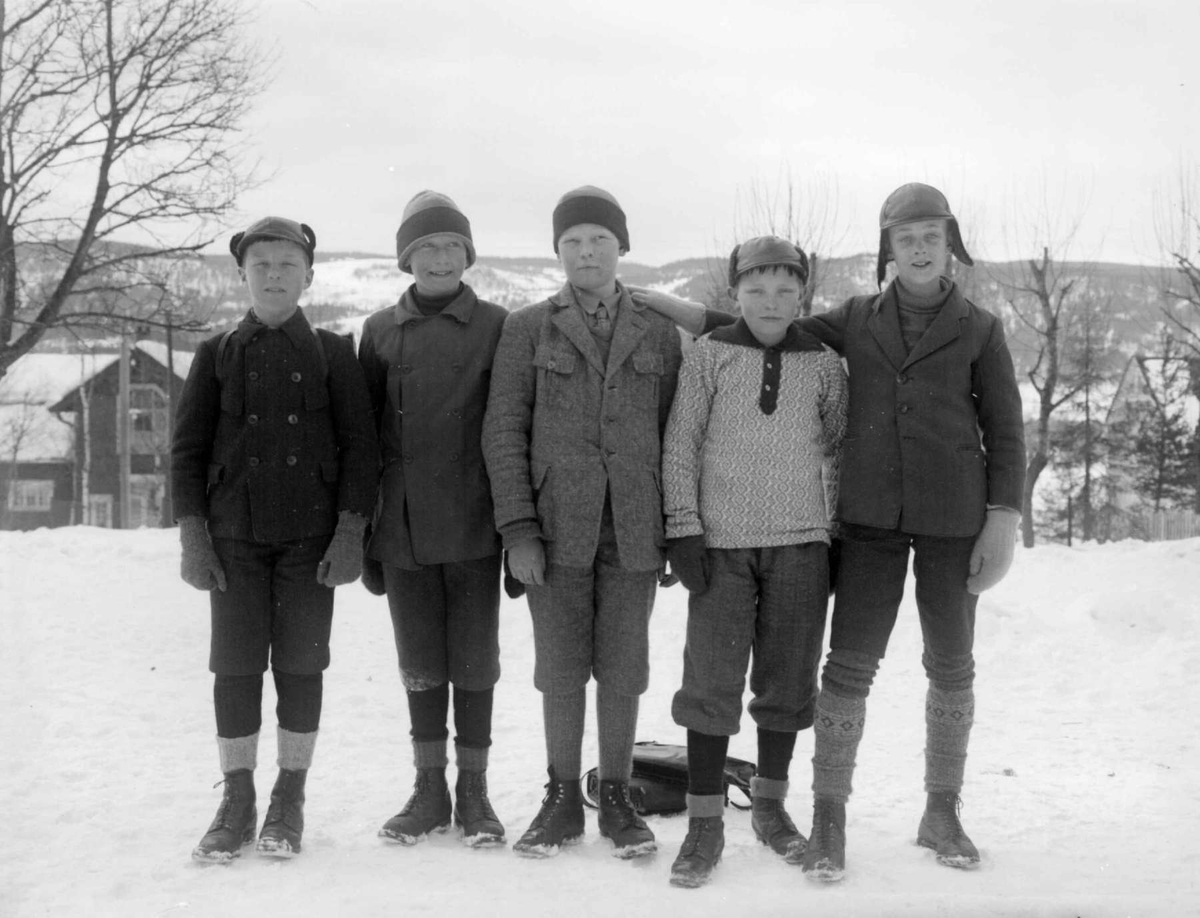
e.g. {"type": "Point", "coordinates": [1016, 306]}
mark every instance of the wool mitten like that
{"type": "Point", "coordinates": [993, 552]}
{"type": "Point", "coordinates": [200, 567]}
{"type": "Point", "coordinates": [343, 558]}
{"type": "Point", "coordinates": [688, 557]}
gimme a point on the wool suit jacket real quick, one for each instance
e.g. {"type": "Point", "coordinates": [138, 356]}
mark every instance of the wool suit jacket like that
{"type": "Point", "coordinates": [563, 429]}
{"type": "Point", "coordinates": [428, 377]}
{"type": "Point", "coordinates": [934, 436]}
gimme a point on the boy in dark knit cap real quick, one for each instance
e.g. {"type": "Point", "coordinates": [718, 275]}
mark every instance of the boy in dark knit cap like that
{"type": "Point", "coordinates": [749, 478]}
{"type": "Point", "coordinates": [933, 465]}
{"type": "Point", "coordinates": [580, 395]}
{"type": "Point", "coordinates": [433, 548]}
{"type": "Point", "coordinates": [273, 466]}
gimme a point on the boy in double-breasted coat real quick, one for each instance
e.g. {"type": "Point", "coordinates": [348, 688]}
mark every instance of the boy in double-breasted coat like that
{"type": "Point", "coordinates": [580, 395]}
{"type": "Point", "coordinates": [274, 464]}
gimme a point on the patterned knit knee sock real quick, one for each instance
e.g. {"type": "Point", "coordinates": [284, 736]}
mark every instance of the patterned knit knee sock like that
{"type": "Point", "coordinates": [563, 716]}
{"type": "Point", "coordinates": [837, 731]}
{"type": "Point", "coordinates": [948, 720]}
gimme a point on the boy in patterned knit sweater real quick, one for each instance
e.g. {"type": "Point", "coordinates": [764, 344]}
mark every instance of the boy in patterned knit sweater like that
{"type": "Point", "coordinates": [749, 474]}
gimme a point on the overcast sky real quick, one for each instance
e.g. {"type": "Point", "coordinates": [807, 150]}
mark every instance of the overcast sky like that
{"type": "Point", "coordinates": [689, 112]}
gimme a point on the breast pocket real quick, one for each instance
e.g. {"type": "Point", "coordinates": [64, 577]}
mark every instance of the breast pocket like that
{"type": "Point", "coordinates": [647, 377]}
{"type": "Point", "coordinates": [554, 371]}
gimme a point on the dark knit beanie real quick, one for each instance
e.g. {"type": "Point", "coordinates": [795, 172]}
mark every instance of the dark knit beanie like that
{"type": "Point", "coordinates": [766, 252]}
{"type": "Point", "coordinates": [912, 203]}
{"type": "Point", "coordinates": [274, 228]}
{"type": "Point", "coordinates": [428, 214]}
{"type": "Point", "coordinates": [589, 204]}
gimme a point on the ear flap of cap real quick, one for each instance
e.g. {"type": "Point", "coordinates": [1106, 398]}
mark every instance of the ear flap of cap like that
{"type": "Point", "coordinates": [956, 244]}
{"type": "Point", "coordinates": [733, 260]}
{"type": "Point", "coordinates": [311, 237]}
{"type": "Point", "coordinates": [882, 260]}
{"type": "Point", "coordinates": [234, 241]}
{"type": "Point", "coordinates": [803, 263]}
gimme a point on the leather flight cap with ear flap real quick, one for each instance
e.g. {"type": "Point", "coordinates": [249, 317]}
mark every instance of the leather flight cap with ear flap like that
{"type": "Point", "coordinates": [589, 204]}
{"type": "Point", "coordinates": [274, 228]}
{"type": "Point", "coordinates": [912, 203]}
{"type": "Point", "coordinates": [765, 252]}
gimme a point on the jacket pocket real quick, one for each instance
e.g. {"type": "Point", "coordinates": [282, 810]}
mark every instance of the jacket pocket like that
{"type": "Point", "coordinates": [554, 371]}
{"type": "Point", "coordinates": [647, 374]}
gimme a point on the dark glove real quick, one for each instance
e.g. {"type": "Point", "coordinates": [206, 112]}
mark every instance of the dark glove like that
{"type": "Point", "coordinates": [689, 562]}
{"type": "Point", "coordinates": [343, 558]}
{"type": "Point", "coordinates": [372, 570]}
{"type": "Point", "coordinates": [200, 567]}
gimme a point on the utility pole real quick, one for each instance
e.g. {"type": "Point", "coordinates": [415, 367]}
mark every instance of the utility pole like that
{"type": "Point", "coordinates": [123, 463]}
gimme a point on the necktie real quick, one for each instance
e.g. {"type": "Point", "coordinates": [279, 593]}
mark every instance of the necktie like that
{"type": "Point", "coordinates": [601, 320]}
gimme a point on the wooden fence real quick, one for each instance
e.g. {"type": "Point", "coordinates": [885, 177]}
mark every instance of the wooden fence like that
{"type": "Point", "coordinates": [1166, 525]}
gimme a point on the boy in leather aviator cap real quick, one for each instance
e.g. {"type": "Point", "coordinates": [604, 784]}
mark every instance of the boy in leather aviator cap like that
{"type": "Point", "coordinates": [274, 466]}
{"type": "Point", "coordinates": [933, 465]}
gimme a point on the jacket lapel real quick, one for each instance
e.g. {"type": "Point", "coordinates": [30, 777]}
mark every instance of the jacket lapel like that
{"type": "Point", "coordinates": [630, 329]}
{"type": "Point", "coordinates": [569, 321]}
{"type": "Point", "coordinates": [945, 327]}
{"type": "Point", "coordinates": [884, 326]}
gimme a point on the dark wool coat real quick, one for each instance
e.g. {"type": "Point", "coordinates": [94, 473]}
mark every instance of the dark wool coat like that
{"type": "Point", "coordinates": [428, 377]}
{"type": "Point", "coordinates": [562, 430]}
{"type": "Point", "coordinates": [936, 435]}
{"type": "Point", "coordinates": [282, 442]}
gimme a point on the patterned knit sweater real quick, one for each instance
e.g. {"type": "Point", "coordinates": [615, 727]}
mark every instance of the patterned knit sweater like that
{"type": "Point", "coordinates": [751, 449]}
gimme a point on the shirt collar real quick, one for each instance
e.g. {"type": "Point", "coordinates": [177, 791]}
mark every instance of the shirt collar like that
{"type": "Point", "coordinates": [794, 339]}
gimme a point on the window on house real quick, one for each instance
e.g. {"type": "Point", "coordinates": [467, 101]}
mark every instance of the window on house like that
{"type": "Point", "coordinates": [147, 420]}
{"type": "Point", "coordinates": [30, 495]}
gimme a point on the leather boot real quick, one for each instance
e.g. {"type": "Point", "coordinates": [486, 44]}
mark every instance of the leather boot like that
{"type": "Point", "coordinates": [620, 822]}
{"type": "Point", "coordinates": [700, 852]}
{"type": "Point", "coordinates": [473, 812]}
{"type": "Point", "coordinates": [559, 822]}
{"type": "Point", "coordinates": [774, 827]}
{"type": "Point", "coordinates": [825, 857]}
{"type": "Point", "coordinates": [941, 831]}
{"type": "Point", "coordinates": [427, 810]}
{"type": "Point", "coordinates": [284, 823]}
{"type": "Point", "coordinates": [234, 823]}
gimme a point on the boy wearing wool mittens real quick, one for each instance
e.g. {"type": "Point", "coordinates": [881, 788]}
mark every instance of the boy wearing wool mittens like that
{"type": "Point", "coordinates": [749, 474]}
{"type": "Point", "coordinates": [434, 549]}
{"type": "Point", "coordinates": [933, 464]}
{"type": "Point", "coordinates": [274, 465]}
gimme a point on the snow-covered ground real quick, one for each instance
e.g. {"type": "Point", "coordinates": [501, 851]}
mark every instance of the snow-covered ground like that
{"type": "Point", "coordinates": [1083, 786]}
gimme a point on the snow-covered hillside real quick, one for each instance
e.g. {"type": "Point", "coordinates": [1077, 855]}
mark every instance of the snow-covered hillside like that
{"type": "Point", "coordinates": [1082, 787]}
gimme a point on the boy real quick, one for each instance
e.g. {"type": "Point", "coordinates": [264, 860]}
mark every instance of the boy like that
{"type": "Point", "coordinates": [580, 394]}
{"type": "Point", "coordinates": [750, 449]}
{"type": "Point", "coordinates": [274, 466]}
{"type": "Point", "coordinates": [933, 462]}
{"type": "Point", "coordinates": [427, 361]}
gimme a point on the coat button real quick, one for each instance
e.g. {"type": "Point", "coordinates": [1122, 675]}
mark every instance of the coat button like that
{"type": "Point", "coordinates": [408, 457]}
{"type": "Point", "coordinates": [454, 457]}
{"type": "Point", "coordinates": [254, 462]}
{"type": "Point", "coordinates": [253, 374]}
{"type": "Point", "coordinates": [902, 379]}
{"type": "Point", "coordinates": [903, 409]}
{"type": "Point", "coordinates": [252, 419]}
{"type": "Point", "coordinates": [291, 460]}
{"type": "Point", "coordinates": [292, 419]}
{"type": "Point", "coordinates": [406, 369]}
{"type": "Point", "coordinates": [549, 364]}
{"type": "Point", "coordinates": [296, 377]}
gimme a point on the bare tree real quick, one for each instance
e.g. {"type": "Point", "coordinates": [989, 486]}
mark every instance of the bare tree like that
{"type": "Point", "coordinates": [117, 117]}
{"type": "Point", "coordinates": [806, 214]}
